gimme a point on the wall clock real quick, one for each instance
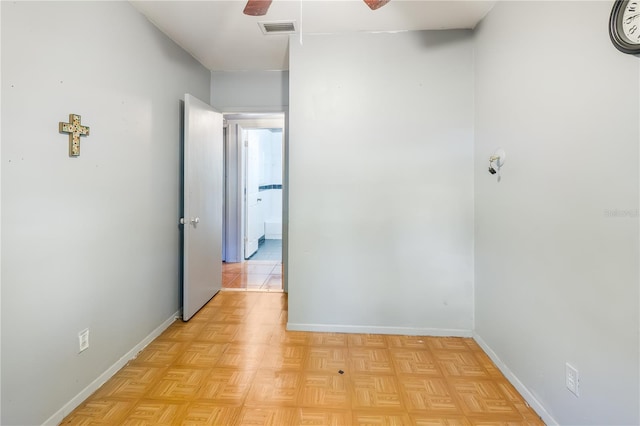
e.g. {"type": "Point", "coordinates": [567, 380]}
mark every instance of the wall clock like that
{"type": "Point", "coordinates": [624, 26]}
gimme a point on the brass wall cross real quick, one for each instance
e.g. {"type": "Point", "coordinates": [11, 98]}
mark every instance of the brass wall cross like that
{"type": "Point", "coordinates": [75, 130]}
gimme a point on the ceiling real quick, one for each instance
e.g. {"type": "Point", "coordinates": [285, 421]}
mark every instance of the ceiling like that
{"type": "Point", "coordinates": [222, 38]}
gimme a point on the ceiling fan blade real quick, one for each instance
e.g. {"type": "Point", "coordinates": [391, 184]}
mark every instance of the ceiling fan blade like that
{"type": "Point", "coordinates": [376, 4]}
{"type": "Point", "coordinates": [257, 7]}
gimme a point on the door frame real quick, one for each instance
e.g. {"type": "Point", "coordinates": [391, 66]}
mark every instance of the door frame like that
{"type": "Point", "coordinates": [235, 164]}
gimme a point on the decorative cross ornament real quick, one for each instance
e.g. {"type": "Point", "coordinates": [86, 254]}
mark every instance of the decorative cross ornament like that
{"type": "Point", "coordinates": [75, 130]}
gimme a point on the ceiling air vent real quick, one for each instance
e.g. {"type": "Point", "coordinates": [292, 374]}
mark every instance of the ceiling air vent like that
{"type": "Point", "coordinates": [278, 27]}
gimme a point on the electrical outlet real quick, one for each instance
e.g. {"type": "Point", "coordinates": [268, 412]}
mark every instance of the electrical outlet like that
{"type": "Point", "coordinates": [83, 339]}
{"type": "Point", "coordinates": [572, 379]}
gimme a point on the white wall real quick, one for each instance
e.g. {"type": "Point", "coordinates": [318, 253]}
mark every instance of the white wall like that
{"type": "Point", "coordinates": [271, 158]}
{"type": "Point", "coordinates": [89, 241]}
{"type": "Point", "coordinates": [556, 276]}
{"type": "Point", "coordinates": [381, 183]}
{"type": "Point", "coordinates": [250, 91]}
{"type": "Point", "coordinates": [271, 174]}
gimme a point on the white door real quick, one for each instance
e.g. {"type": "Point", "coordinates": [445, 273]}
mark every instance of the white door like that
{"type": "Point", "coordinates": [254, 223]}
{"type": "Point", "coordinates": [203, 162]}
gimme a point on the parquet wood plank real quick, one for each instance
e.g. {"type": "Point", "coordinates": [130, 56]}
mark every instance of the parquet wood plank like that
{"type": "Point", "coordinates": [210, 414]}
{"type": "Point", "coordinates": [281, 336]}
{"type": "Point", "coordinates": [406, 342]}
{"type": "Point", "coordinates": [182, 331]}
{"type": "Point", "coordinates": [371, 391]}
{"type": "Point", "coordinates": [284, 357]}
{"type": "Point", "coordinates": [374, 361]}
{"type": "Point", "coordinates": [366, 341]}
{"type": "Point", "coordinates": [268, 416]}
{"type": "Point", "coordinates": [226, 386]}
{"type": "Point", "coordinates": [442, 420]}
{"type": "Point", "coordinates": [259, 333]}
{"type": "Point", "coordinates": [131, 382]}
{"type": "Point", "coordinates": [218, 332]}
{"type": "Point", "coordinates": [99, 411]}
{"type": "Point", "coordinates": [460, 364]}
{"type": "Point", "coordinates": [430, 394]}
{"type": "Point", "coordinates": [201, 354]}
{"type": "Point", "coordinates": [485, 422]}
{"type": "Point", "coordinates": [272, 387]}
{"type": "Point", "coordinates": [155, 413]}
{"type": "Point", "coordinates": [264, 316]}
{"type": "Point", "coordinates": [159, 353]}
{"type": "Point", "coordinates": [178, 383]}
{"type": "Point", "coordinates": [326, 359]}
{"type": "Point", "coordinates": [483, 397]}
{"type": "Point", "coordinates": [235, 364]}
{"type": "Point", "coordinates": [324, 417]}
{"type": "Point", "coordinates": [271, 301]}
{"type": "Point", "coordinates": [328, 339]}
{"type": "Point", "coordinates": [415, 362]}
{"type": "Point", "coordinates": [380, 419]}
{"type": "Point", "coordinates": [458, 344]}
{"type": "Point", "coordinates": [229, 315]}
{"type": "Point", "coordinates": [242, 356]}
{"type": "Point", "coordinates": [325, 390]}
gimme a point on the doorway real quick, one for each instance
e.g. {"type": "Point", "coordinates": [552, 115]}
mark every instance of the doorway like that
{"type": "Point", "coordinates": [254, 178]}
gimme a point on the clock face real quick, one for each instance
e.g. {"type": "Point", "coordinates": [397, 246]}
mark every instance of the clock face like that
{"type": "Point", "coordinates": [631, 22]}
{"type": "Point", "coordinates": [624, 26]}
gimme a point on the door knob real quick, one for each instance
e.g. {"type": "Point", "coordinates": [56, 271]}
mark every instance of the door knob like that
{"type": "Point", "coordinates": [195, 220]}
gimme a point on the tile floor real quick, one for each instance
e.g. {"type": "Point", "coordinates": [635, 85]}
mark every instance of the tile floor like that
{"type": "Point", "coordinates": [269, 250]}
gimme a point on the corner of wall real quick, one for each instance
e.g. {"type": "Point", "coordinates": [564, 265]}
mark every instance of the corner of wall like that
{"type": "Point", "coordinates": [515, 381]}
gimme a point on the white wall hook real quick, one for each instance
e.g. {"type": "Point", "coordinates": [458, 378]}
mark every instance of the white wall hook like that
{"type": "Point", "coordinates": [500, 157]}
{"type": "Point", "coordinates": [496, 161]}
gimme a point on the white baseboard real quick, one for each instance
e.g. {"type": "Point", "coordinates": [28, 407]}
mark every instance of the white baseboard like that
{"type": "Point", "coordinates": [513, 379]}
{"type": "Point", "coordinates": [57, 418]}
{"type": "Point", "coordinates": [363, 329]}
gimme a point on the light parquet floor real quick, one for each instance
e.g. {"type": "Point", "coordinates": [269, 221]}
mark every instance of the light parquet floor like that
{"type": "Point", "coordinates": [235, 364]}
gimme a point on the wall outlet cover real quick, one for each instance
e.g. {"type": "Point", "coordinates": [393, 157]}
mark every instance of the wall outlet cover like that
{"type": "Point", "coordinates": [572, 379]}
{"type": "Point", "coordinates": [83, 340]}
